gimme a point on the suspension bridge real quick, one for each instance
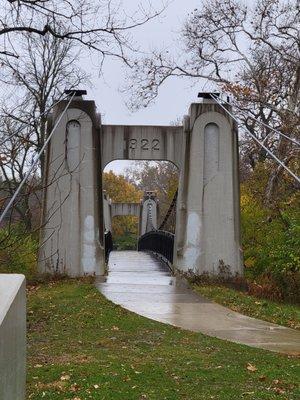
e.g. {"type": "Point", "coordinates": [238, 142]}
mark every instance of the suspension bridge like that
{"type": "Point", "coordinates": [205, 150]}
{"type": "Point", "coordinates": [77, 240]}
{"type": "Point", "coordinates": [76, 231]}
{"type": "Point", "coordinates": [76, 234]}
{"type": "Point", "coordinates": [151, 236]}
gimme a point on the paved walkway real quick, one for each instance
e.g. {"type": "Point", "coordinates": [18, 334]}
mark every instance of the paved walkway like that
{"type": "Point", "coordinates": [139, 283]}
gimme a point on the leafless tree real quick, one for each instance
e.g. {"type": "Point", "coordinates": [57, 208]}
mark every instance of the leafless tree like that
{"type": "Point", "coordinates": [252, 53]}
{"type": "Point", "coordinates": [101, 25]}
{"type": "Point", "coordinates": [48, 66]}
{"type": "Point", "coordinates": [39, 77]}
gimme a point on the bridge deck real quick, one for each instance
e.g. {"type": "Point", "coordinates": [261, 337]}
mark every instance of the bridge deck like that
{"type": "Point", "coordinates": [139, 283]}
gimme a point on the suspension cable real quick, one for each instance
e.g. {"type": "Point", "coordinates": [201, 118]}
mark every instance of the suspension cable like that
{"type": "Point", "coordinates": [35, 119]}
{"type": "Point", "coordinates": [36, 159]}
{"type": "Point", "coordinates": [265, 125]}
{"type": "Point", "coordinates": [170, 209]}
{"type": "Point", "coordinates": [297, 178]}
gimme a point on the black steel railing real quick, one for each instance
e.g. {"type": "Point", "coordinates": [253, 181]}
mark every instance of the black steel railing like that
{"type": "Point", "coordinates": [108, 243]}
{"type": "Point", "coordinates": [160, 242]}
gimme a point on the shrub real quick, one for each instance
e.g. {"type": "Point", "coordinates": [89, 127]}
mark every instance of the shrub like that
{"type": "Point", "coordinates": [128, 241]}
{"type": "Point", "coordinates": [271, 241]}
{"type": "Point", "coordinates": [18, 251]}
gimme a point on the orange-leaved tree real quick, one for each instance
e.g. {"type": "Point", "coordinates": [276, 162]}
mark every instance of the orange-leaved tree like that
{"type": "Point", "coordinates": [121, 191]}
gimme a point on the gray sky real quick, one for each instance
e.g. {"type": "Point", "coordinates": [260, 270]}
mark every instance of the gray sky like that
{"type": "Point", "coordinates": [174, 97]}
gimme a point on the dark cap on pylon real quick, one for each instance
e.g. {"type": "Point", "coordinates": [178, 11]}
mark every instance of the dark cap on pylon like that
{"type": "Point", "coordinates": [76, 92]}
{"type": "Point", "coordinates": [208, 95]}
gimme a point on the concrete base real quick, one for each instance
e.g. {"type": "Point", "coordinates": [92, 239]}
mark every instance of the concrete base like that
{"type": "Point", "coordinates": [12, 337]}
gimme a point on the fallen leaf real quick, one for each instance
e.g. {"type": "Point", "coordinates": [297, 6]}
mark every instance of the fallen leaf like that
{"type": "Point", "coordinates": [65, 378]}
{"type": "Point", "coordinates": [251, 367]}
{"type": "Point", "coordinates": [74, 387]}
{"type": "Point", "coordinates": [279, 390]}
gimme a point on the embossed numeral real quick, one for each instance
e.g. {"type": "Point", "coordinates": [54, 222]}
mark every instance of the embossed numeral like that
{"type": "Point", "coordinates": [155, 144]}
{"type": "Point", "coordinates": [132, 144]}
{"type": "Point", "coordinates": [144, 144]}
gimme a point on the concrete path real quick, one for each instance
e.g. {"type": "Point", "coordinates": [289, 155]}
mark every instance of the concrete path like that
{"type": "Point", "coordinates": [139, 283]}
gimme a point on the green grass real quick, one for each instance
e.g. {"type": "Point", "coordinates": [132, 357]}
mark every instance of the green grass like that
{"type": "Point", "coordinates": [278, 313]}
{"type": "Point", "coordinates": [81, 346]}
{"type": "Point", "coordinates": [128, 241]}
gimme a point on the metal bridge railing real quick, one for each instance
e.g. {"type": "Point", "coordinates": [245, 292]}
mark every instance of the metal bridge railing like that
{"type": "Point", "coordinates": [160, 242]}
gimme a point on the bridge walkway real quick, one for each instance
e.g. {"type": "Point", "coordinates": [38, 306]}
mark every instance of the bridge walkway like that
{"type": "Point", "coordinates": [140, 283]}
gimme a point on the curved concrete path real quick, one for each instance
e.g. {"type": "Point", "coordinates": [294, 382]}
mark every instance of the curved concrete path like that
{"type": "Point", "coordinates": [138, 282]}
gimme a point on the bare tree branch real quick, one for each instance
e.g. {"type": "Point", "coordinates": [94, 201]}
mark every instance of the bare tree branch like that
{"type": "Point", "coordinates": [250, 52]}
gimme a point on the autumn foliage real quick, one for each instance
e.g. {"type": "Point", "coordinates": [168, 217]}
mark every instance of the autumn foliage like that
{"type": "Point", "coordinates": [121, 191]}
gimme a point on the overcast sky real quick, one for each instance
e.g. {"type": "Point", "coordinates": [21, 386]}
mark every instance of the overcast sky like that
{"type": "Point", "coordinates": [174, 97]}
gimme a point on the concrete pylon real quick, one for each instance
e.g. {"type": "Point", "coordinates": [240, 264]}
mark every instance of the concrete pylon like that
{"type": "Point", "coordinates": [72, 223]}
{"type": "Point", "coordinates": [149, 213]}
{"type": "Point", "coordinates": [207, 236]}
{"type": "Point", "coordinates": [208, 213]}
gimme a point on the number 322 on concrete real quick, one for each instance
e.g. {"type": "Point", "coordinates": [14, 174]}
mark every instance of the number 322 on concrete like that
{"type": "Point", "coordinates": [144, 144]}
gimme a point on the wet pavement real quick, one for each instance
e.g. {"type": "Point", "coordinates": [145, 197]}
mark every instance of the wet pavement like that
{"type": "Point", "coordinates": [140, 283]}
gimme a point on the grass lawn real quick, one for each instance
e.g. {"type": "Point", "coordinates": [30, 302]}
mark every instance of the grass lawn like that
{"type": "Point", "coordinates": [278, 313]}
{"type": "Point", "coordinates": [81, 347]}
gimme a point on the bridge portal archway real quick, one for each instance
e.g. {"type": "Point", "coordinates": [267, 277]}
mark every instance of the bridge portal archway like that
{"type": "Point", "coordinates": [205, 149]}
{"type": "Point", "coordinates": [127, 195]}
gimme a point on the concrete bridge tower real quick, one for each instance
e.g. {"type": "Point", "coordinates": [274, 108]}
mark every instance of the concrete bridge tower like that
{"type": "Point", "coordinates": [146, 211]}
{"type": "Point", "coordinates": [205, 150]}
{"type": "Point", "coordinates": [208, 209]}
{"type": "Point", "coordinates": [72, 223]}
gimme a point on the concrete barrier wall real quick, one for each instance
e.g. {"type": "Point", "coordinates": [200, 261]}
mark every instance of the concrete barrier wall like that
{"type": "Point", "coordinates": [12, 337]}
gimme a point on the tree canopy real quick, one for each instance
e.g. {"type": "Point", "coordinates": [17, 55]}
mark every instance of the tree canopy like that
{"type": "Point", "coordinates": [102, 26]}
{"type": "Point", "coordinates": [249, 51]}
